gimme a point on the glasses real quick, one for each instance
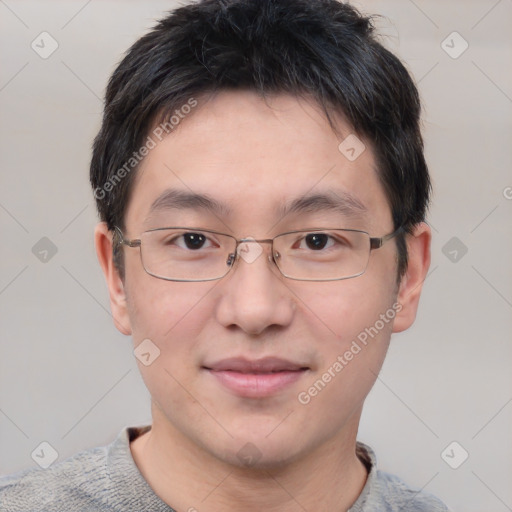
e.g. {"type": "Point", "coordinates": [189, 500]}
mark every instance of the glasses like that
{"type": "Point", "coordinates": [195, 254]}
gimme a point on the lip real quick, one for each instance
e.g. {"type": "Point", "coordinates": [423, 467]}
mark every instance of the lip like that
{"type": "Point", "coordinates": [256, 378]}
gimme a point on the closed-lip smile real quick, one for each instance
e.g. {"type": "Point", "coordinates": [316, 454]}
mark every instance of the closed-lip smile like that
{"type": "Point", "coordinates": [256, 378]}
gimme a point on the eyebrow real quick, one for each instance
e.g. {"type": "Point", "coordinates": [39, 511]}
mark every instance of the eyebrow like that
{"type": "Point", "coordinates": [181, 199]}
{"type": "Point", "coordinates": [338, 201]}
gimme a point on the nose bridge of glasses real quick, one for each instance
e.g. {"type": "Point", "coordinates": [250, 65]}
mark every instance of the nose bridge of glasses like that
{"type": "Point", "coordinates": [249, 249]}
{"type": "Point", "coordinates": [254, 240]}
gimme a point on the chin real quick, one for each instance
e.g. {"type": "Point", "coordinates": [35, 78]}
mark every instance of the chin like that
{"type": "Point", "coordinates": [258, 452]}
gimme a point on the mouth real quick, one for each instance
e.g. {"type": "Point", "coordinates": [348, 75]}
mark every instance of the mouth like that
{"type": "Point", "coordinates": [256, 378]}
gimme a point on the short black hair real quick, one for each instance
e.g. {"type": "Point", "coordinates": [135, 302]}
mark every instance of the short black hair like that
{"type": "Point", "coordinates": [324, 49]}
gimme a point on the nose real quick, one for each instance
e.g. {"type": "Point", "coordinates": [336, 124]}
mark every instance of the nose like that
{"type": "Point", "coordinates": [253, 295]}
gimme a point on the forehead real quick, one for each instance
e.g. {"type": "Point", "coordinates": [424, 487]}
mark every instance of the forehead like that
{"type": "Point", "coordinates": [240, 155]}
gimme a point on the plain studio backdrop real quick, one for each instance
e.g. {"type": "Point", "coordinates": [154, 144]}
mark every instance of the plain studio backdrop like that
{"type": "Point", "coordinates": [440, 414]}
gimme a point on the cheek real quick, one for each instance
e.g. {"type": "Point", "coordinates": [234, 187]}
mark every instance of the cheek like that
{"type": "Point", "coordinates": [171, 315]}
{"type": "Point", "coordinates": [342, 310]}
{"type": "Point", "coordinates": [354, 329]}
{"type": "Point", "coordinates": [166, 310]}
{"type": "Point", "coordinates": [336, 392]}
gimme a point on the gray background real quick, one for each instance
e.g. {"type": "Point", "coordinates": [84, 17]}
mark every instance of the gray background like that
{"type": "Point", "coordinates": [69, 378]}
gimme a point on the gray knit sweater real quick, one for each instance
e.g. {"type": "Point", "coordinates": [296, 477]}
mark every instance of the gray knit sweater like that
{"type": "Point", "coordinates": [107, 480]}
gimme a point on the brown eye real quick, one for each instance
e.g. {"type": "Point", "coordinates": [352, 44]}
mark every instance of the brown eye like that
{"type": "Point", "coordinates": [194, 240]}
{"type": "Point", "coordinates": [189, 240]}
{"type": "Point", "coordinates": [316, 241]}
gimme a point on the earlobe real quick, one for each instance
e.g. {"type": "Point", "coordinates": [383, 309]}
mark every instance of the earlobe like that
{"type": "Point", "coordinates": [418, 247]}
{"type": "Point", "coordinates": [118, 306]}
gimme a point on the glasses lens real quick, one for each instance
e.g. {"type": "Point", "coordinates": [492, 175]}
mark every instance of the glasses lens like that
{"type": "Point", "coordinates": [323, 255]}
{"type": "Point", "coordinates": [186, 254]}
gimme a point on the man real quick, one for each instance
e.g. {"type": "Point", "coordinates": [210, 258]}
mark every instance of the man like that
{"type": "Point", "coordinates": [262, 189]}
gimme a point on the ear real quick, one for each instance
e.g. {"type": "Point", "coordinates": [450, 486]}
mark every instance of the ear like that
{"type": "Point", "coordinates": [418, 248]}
{"type": "Point", "coordinates": [103, 243]}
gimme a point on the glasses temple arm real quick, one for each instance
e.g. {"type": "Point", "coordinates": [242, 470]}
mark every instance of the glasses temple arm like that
{"type": "Point", "coordinates": [375, 243]}
{"type": "Point", "coordinates": [122, 241]}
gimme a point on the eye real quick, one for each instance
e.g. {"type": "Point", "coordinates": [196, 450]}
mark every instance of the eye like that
{"type": "Point", "coordinates": [316, 241]}
{"type": "Point", "coordinates": [189, 240]}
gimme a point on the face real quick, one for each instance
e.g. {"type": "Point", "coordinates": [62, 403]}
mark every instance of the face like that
{"type": "Point", "coordinates": [255, 357]}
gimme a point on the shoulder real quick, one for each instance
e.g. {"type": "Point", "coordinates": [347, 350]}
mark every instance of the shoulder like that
{"type": "Point", "coordinates": [401, 496]}
{"type": "Point", "coordinates": [103, 479]}
{"type": "Point", "coordinates": [67, 485]}
{"type": "Point", "coordinates": [384, 492]}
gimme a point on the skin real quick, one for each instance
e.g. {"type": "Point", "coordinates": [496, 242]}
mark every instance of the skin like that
{"type": "Point", "coordinates": [252, 155]}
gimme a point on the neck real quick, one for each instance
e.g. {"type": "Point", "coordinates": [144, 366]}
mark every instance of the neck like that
{"type": "Point", "coordinates": [187, 477]}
